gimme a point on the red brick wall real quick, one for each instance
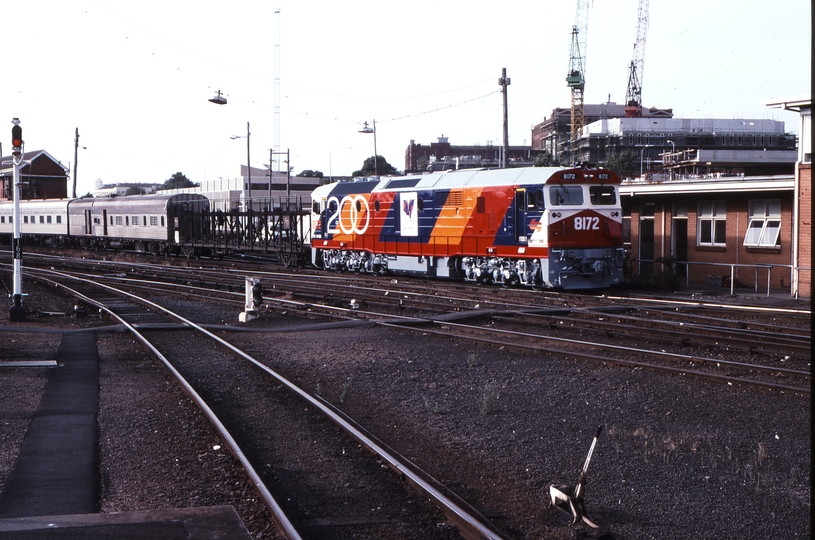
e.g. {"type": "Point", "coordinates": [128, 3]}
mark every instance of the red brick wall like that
{"type": "Point", "coordinates": [734, 252]}
{"type": "Point", "coordinates": [805, 229]}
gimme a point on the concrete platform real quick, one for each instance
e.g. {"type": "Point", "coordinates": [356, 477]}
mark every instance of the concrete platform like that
{"type": "Point", "coordinates": [204, 523]}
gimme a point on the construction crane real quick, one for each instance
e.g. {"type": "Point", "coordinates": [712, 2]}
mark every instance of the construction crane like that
{"type": "Point", "coordinates": [576, 79]}
{"type": "Point", "coordinates": [633, 96]}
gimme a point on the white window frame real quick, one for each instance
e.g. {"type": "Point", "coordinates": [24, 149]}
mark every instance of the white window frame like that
{"type": "Point", "coordinates": [764, 226]}
{"type": "Point", "coordinates": [711, 217]}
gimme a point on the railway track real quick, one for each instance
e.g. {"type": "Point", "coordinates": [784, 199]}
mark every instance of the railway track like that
{"type": "Point", "coordinates": [213, 381]}
{"type": "Point", "coordinates": [705, 342]}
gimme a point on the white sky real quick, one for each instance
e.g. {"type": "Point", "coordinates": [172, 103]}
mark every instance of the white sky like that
{"type": "Point", "coordinates": [135, 77]}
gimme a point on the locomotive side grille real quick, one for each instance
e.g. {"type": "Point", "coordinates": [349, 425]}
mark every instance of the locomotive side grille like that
{"type": "Point", "coordinates": [452, 198]}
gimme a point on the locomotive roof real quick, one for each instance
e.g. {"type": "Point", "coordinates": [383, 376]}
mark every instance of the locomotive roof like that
{"type": "Point", "coordinates": [464, 178]}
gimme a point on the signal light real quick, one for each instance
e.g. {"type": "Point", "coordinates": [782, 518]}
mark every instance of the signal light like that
{"type": "Point", "coordinates": [16, 139]}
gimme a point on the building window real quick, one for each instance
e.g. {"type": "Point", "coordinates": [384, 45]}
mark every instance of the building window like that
{"type": "Point", "coordinates": [712, 224]}
{"type": "Point", "coordinates": [764, 228]}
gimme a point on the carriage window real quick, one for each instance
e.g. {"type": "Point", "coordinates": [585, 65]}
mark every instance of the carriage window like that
{"type": "Point", "coordinates": [42, 219]}
{"type": "Point", "coordinates": [315, 207]}
{"type": "Point", "coordinates": [565, 195]}
{"type": "Point", "coordinates": [48, 219]}
{"type": "Point", "coordinates": [25, 219]}
{"type": "Point", "coordinates": [602, 195]}
{"type": "Point", "coordinates": [154, 220]}
{"type": "Point", "coordinates": [118, 220]}
{"type": "Point", "coordinates": [162, 221]}
{"type": "Point", "coordinates": [376, 205]}
{"type": "Point", "coordinates": [59, 219]}
{"type": "Point", "coordinates": [135, 221]}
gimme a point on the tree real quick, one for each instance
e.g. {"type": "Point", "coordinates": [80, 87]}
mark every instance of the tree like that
{"type": "Point", "coordinates": [308, 173]}
{"type": "Point", "coordinates": [382, 167]}
{"type": "Point", "coordinates": [623, 163]}
{"type": "Point", "coordinates": [545, 159]}
{"type": "Point", "coordinates": [133, 190]}
{"type": "Point", "coordinates": [178, 181]}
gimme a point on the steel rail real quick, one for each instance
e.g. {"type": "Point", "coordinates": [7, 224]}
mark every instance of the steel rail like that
{"type": "Point", "coordinates": [616, 361]}
{"type": "Point", "coordinates": [469, 526]}
{"type": "Point", "coordinates": [281, 523]}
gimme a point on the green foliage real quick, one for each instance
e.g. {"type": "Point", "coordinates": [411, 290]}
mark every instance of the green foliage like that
{"type": "Point", "coordinates": [133, 190]}
{"type": "Point", "coordinates": [545, 159]}
{"type": "Point", "coordinates": [178, 181]}
{"type": "Point", "coordinates": [625, 163]}
{"type": "Point", "coordinates": [308, 173]}
{"type": "Point", "coordinates": [383, 168]}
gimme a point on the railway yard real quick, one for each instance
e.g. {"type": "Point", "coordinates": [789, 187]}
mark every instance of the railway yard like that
{"type": "Point", "coordinates": [389, 407]}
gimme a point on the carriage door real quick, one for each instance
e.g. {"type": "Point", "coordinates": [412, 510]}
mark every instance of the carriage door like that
{"type": "Point", "coordinates": [88, 223]}
{"type": "Point", "coordinates": [520, 216]}
{"type": "Point", "coordinates": [104, 222]}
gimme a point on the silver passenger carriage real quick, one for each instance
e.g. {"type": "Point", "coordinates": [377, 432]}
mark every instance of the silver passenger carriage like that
{"type": "Point", "coordinates": [43, 220]}
{"type": "Point", "coordinates": [160, 224]}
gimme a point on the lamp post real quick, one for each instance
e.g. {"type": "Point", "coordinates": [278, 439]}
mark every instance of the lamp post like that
{"type": "Point", "coordinates": [366, 129]}
{"type": "Point", "coordinates": [248, 162]}
{"type": "Point", "coordinates": [641, 154]}
{"type": "Point", "coordinates": [76, 159]}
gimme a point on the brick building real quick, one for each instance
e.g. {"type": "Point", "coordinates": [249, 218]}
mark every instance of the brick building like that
{"type": "Point", "coordinates": [44, 177]}
{"type": "Point", "coordinates": [442, 156]}
{"type": "Point", "coordinates": [714, 229]}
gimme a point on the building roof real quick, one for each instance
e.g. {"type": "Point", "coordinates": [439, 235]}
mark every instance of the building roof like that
{"type": "Point", "coordinates": [28, 156]}
{"type": "Point", "coordinates": [796, 104]}
{"type": "Point", "coordinates": [718, 186]}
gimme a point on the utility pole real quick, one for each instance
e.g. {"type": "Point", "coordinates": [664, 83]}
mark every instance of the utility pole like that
{"type": "Point", "coordinates": [76, 155]}
{"type": "Point", "coordinates": [504, 82]}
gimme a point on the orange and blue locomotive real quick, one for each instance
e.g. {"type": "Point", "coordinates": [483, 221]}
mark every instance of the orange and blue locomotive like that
{"type": "Point", "coordinates": [540, 227]}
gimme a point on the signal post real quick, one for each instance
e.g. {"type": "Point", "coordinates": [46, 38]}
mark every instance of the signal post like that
{"type": "Point", "coordinates": [17, 312]}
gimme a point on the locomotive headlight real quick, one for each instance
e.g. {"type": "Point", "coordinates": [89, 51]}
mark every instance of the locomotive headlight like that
{"type": "Point", "coordinates": [614, 214]}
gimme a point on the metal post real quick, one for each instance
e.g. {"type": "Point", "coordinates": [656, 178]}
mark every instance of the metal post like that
{"type": "Point", "coordinates": [504, 81]}
{"type": "Point", "coordinates": [376, 158]}
{"type": "Point", "coordinates": [248, 166]}
{"type": "Point", "coordinates": [17, 312]}
{"type": "Point", "coordinates": [732, 278]}
{"type": "Point", "coordinates": [769, 273]}
{"type": "Point", "coordinates": [76, 162]}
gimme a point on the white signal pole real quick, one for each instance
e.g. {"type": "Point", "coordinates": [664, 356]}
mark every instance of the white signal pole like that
{"type": "Point", "coordinates": [17, 312]}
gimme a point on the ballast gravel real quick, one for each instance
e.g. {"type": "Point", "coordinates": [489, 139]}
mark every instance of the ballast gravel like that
{"type": "Point", "coordinates": [678, 457]}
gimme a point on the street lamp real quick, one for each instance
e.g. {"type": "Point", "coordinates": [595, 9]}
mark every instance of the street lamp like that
{"type": "Point", "coordinates": [366, 129]}
{"type": "Point", "coordinates": [641, 153]}
{"type": "Point", "coordinates": [248, 163]}
{"type": "Point", "coordinates": [673, 149]}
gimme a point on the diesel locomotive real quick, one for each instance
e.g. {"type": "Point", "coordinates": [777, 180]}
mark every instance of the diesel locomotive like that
{"type": "Point", "coordinates": [539, 227]}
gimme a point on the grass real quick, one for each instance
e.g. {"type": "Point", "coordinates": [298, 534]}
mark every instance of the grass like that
{"type": "Point", "coordinates": [489, 399]}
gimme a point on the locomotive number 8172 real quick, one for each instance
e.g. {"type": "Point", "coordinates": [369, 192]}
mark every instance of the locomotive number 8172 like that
{"type": "Point", "coordinates": [541, 227]}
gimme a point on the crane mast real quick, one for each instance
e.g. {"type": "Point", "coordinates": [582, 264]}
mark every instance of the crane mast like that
{"type": "Point", "coordinates": [633, 95]}
{"type": "Point", "coordinates": [576, 78]}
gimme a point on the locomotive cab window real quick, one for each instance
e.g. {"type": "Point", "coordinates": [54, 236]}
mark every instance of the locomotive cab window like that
{"type": "Point", "coordinates": [602, 195]}
{"type": "Point", "coordinates": [565, 195]}
{"type": "Point", "coordinates": [534, 200]}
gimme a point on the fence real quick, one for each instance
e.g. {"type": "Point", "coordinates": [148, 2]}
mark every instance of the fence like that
{"type": "Point", "coordinates": [794, 271]}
